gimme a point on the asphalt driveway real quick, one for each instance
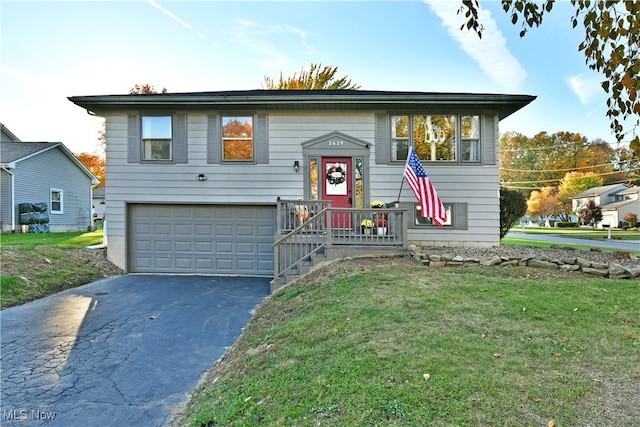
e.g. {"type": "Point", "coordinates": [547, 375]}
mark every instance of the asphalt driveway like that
{"type": "Point", "coordinates": [121, 351]}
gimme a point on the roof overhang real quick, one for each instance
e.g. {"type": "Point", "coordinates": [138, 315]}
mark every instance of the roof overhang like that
{"type": "Point", "coordinates": [503, 105]}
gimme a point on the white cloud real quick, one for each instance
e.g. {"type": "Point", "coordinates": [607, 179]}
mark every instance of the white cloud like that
{"type": "Point", "coordinates": [270, 41]}
{"type": "Point", "coordinates": [169, 14]}
{"type": "Point", "coordinates": [489, 52]}
{"type": "Point", "coordinates": [32, 79]}
{"type": "Point", "coordinates": [585, 87]}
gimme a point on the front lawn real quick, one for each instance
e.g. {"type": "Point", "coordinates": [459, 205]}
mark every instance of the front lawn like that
{"type": "Point", "coordinates": [396, 344]}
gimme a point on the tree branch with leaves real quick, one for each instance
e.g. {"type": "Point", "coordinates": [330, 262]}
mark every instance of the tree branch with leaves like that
{"type": "Point", "coordinates": [316, 78]}
{"type": "Point", "coordinates": [611, 47]}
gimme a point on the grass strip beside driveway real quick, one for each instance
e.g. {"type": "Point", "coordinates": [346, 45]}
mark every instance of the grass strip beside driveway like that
{"type": "Point", "coordinates": [35, 265]}
{"type": "Point", "coordinates": [398, 344]}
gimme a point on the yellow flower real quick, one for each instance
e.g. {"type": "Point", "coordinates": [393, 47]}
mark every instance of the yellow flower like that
{"type": "Point", "coordinates": [366, 223]}
{"type": "Point", "coordinates": [377, 204]}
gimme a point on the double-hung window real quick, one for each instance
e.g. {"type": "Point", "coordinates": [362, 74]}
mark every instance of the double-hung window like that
{"type": "Point", "coordinates": [436, 137]}
{"type": "Point", "coordinates": [237, 138]}
{"type": "Point", "coordinates": [56, 201]}
{"type": "Point", "coordinates": [157, 138]}
{"type": "Point", "coordinates": [470, 138]}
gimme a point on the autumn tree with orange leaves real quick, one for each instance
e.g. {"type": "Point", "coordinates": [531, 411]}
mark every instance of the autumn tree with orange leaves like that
{"type": "Point", "coordinates": [96, 164]}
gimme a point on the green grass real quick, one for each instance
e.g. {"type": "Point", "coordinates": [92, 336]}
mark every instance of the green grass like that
{"type": "Point", "coordinates": [409, 346]}
{"type": "Point", "coordinates": [515, 241]}
{"type": "Point", "coordinates": [583, 233]}
{"type": "Point", "coordinates": [35, 265]}
{"type": "Point", "coordinates": [61, 240]}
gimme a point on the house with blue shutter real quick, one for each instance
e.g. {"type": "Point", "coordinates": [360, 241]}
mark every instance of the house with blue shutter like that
{"type": "Point", "coordinates": [256, 182]}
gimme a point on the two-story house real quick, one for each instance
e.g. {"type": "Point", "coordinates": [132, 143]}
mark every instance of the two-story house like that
{"type": "Point", "coordinates": [615, 200]}
{"type": "Point", "coordinates": [196, 182]}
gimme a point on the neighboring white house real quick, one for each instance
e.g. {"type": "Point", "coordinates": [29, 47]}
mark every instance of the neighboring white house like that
{"type": "Point", "coordinates": [615, 200]}
{"type": "Point", "coordinates": [98, 203]}
{"type": "Point", "coordinates": [194, 178]}
{"type": "Point", "coordinates": [45, 174]}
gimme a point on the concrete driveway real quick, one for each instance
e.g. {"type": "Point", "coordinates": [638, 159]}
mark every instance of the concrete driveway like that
{"type": "Point", "coordinates": [121, 351]}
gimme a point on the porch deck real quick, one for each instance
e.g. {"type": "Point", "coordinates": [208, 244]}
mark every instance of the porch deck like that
{"type": "Point", "coordinates": [309, 228]}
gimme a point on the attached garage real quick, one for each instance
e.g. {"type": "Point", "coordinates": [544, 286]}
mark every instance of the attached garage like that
{"type": "Point", "coordinates": [201, 239]}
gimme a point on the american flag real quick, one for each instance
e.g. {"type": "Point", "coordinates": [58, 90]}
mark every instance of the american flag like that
{"type": "Point", "coordinates": [430, 203]}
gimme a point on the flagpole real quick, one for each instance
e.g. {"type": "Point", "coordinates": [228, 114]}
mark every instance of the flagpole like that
{"type": "Point", "coordinates": [402, 181]}
{"type": "Point", "coordinates": [400, 191]}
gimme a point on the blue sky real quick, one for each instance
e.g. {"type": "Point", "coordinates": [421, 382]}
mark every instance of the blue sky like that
{"type": "Point", "coordinates": [51, 50]}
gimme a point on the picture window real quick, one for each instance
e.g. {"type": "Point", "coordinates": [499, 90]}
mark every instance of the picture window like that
{"type": "Point", "coordinates": [436, 137]}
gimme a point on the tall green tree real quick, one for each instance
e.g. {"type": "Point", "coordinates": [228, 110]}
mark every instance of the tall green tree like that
{"type": "Point", "coordinates": [316, 77]}
{"type": "Point", "coordinates": [611, 46]}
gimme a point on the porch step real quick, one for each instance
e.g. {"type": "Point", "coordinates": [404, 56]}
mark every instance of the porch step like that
{"type": "Point", "coordinates": [332, 254]}
{"type": "Point", "coordinates": [303, 268]}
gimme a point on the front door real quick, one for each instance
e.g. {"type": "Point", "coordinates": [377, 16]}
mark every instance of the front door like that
{"type": "Point", "coordinates": [337, 187]}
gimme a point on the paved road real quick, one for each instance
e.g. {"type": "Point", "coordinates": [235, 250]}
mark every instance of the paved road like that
{"type": "Point", "coordinates": [622, 245]}
{"type": "Point", "coordinates": [123, 351]}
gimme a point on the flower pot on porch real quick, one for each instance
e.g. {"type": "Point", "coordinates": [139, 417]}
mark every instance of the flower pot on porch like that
{"type": "Point", "coordinates": [367, 230]}
{"type": "Point", "coordinates": [382, 231]}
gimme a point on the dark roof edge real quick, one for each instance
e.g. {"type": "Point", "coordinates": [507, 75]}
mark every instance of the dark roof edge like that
{"type": "Point", "coordinates": [304, 99]}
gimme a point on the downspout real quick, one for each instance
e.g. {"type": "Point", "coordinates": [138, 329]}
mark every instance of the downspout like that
{"type": "Point", "coordinates": [12, 208]}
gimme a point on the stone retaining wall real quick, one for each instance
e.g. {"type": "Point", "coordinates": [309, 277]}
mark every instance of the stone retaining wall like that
{"type": "Point", "coordinates": [611, 271]}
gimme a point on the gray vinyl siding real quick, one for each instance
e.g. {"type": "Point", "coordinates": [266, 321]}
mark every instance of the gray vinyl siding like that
{"type": "Point", "coordinates": [37, 175]}
{"type": "Point", "coordinates": [476, 185]}
{"type": "Point", "coordinates": [5, 200]}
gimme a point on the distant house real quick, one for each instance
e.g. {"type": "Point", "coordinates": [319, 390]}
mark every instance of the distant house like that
{"type": "Point", "coordinates": [98, 203]}
{"type": "Point", "coordinates": [44, 173]}
{"type": "Point", "coordinates": [207, 182]}
{"type": "Point", "coordinates": [615, 200]}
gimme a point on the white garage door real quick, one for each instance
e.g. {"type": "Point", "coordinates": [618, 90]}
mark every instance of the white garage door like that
{"type": "Point", "coordinates": [201, 239]}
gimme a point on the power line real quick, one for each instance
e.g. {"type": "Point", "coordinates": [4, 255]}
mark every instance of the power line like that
{"type": "Point", "coordinates": [562, 170]}
{"type": "Point", "coordinates": [561, 146]}
{"type": "Point", "coordinates": [560, 179]}
{"type": "Point", "coordinates": [504, 185]}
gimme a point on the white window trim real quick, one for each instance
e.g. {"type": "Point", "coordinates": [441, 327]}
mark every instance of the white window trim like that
{"type": "Point", "coordinates": [458, 141]}
{"type": "Point", "coordinates": [61, 192]}
{"type": "Point", "coordinates": [143, 140]}
{"type": "Point", "coordinates": [420, 222]}
{"type": "Point", "coordinates": [252, 160]}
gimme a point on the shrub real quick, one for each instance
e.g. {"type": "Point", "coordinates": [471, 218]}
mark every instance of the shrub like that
{"type": "Point", "coordinates": [631, 218]}
{"type": "Point", "coordinates": [513, 205]}
{"type": "Point", "coordinates": [562, 224]}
